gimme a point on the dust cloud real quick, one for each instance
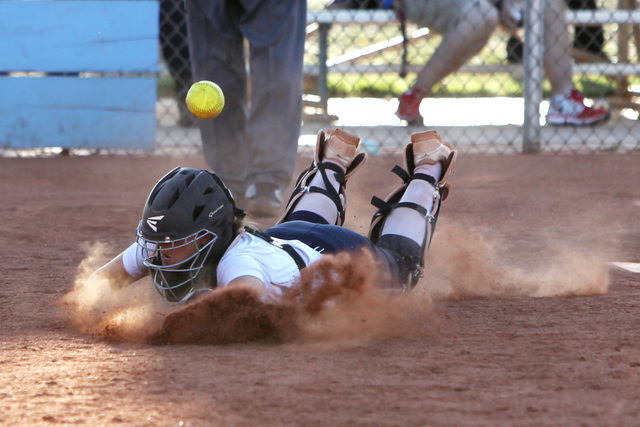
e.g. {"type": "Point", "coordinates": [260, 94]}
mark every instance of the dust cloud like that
{"type": "Point", "coordinates": [95, 307]}
{"type": "Point", "coordinates": [342, 300]}
{"type": "Point", "coordinates": [465, 263]}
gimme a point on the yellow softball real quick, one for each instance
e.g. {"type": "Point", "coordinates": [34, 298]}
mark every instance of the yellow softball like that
{"type": "Point", "coordinates": [205, 99]}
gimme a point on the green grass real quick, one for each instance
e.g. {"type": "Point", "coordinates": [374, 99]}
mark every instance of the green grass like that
{"type": "Point", "coordinates": [343, 39]}
{"type": "Point", "coordinates": [455, 86]}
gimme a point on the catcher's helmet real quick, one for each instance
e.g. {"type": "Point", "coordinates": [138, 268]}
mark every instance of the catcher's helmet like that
{"type": "Point", "coordinates": [188, 207]}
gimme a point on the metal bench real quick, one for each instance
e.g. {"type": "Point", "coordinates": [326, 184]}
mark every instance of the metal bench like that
{"type": "Point", "coordinates": [347, 63]}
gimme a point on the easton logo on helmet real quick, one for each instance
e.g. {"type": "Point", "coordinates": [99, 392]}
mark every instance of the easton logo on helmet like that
{"type": "Point", "coordinates": [211, 214]}
{"type": "Point", "coordinates": [153, 221]}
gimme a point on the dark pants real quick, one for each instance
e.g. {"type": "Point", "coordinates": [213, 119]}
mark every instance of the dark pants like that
{"type": "Point", "coordinates": [255, 138]}
{"type": "Point", "coordinates": [589, 38]}
{"type": "Point", "coordinates": [397, 255]}
{"type": "Point", "coordinates": [175, 45]}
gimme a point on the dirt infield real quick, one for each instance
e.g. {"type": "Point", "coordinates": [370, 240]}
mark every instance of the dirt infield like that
{"type": "Point", "coordinates": [521, 322]}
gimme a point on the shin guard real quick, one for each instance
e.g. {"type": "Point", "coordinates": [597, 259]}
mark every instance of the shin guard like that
{"type": "Point", "coordinates": [318, 166]}
{"type": "Point", "coordinates": [410, 260]}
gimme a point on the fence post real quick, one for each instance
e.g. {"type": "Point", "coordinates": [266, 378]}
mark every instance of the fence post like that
{"type": "Point", "coordinates": [533, 61]}
{"type": "Point", "coordinates": [323, 86]}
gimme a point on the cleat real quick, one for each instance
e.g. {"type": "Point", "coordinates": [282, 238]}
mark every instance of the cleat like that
{"type": "Point", "coordinates": [570, 110]}
{"type": "Point", "coordinates": [427, 148]}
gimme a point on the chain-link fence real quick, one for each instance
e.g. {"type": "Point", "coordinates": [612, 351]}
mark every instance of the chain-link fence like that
{"type": "Point", "coordinates": [497, 101]}
{"type": "Point", "coordinates": [359, 66]}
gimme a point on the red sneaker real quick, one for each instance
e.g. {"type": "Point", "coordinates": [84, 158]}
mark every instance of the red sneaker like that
{"type": "Point", "coordinates": [409, 106]}
{"type": "Point", "coordinates": [570, 110]}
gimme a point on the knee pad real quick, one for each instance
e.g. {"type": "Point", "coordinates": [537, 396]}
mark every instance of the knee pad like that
{"type": "Point", "coordinates": [304, 180]}
{"type": "Point", "coordinates": [407, 255]}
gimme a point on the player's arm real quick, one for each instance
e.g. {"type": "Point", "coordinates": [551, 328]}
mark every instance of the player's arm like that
{"type": "Point", "coordinates": [248, 282]}
{"type": "Point", "coordinates": [121, 271]}
{"type": "Point", "coordinates": [114, 274]}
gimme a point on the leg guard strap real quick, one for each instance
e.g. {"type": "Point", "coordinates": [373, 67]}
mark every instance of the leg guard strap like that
{"type": "Point", "coordinates": [304, 180]}
{"type": "Point", "coordinates": [407, 255]}
{"type": "Point", "coordinates": [410, 263]}
{"type": "Point", "coordinates": [330, 192]}
{"type": "Point", "coordinates": [393, 200]}
{"type": "Point", "coordinates": [337, 197]}
{"type": "Point", "coordinates": [385, 208]}
{"type": "Point", "coordinates": [302, 187]}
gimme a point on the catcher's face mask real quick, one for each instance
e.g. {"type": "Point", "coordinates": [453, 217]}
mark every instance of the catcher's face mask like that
{"type": "Point", "coordinates": [176, 265]}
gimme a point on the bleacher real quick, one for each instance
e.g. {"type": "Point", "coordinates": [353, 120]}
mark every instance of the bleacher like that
{"type": "Point", "coordinates": [321, 22]}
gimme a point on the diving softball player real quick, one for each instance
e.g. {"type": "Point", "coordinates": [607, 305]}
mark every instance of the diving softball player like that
{"type": "Point", "coordinates": [192, 239]}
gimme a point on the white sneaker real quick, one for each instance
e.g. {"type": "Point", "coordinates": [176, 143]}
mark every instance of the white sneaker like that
{"type": "Point", "coordinates": [570, 110]}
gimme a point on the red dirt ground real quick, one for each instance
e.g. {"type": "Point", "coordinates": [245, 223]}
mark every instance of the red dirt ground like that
{"type": "Point", "coordinates": [519, 322]}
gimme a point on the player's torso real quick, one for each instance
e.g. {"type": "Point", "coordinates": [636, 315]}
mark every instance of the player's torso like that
{"type": "Point", "coordinates": [250, 255]}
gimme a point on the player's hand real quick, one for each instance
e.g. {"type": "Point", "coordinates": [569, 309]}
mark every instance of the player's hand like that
{"type": "Point", "coordinates": [511, 14]}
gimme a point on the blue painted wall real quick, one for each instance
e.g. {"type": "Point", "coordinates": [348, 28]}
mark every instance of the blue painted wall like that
{"type": "Point", "coordinates": [76, 112]}
{"type": "Point", "coordinates": [88, 41]}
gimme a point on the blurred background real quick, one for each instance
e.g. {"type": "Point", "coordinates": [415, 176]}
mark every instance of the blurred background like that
{"type": "Point", "coordinates": [353, 79]}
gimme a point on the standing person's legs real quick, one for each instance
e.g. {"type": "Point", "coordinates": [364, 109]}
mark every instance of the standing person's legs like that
{"type": "Point", "coordinates": [217, 54]}
{"type": "Point", "coordinates": [557, 48]}
{"type": "Point", "coordinates": [467, 34]}
{"type": "Point", "coordinates": [175, 49]}
{"type": "Point", "coordinates": [589, 38]}
{"type": "Point", "coordinates": [567, 104]}
{"type": "Point", "coordinates": [465, 27]}
{"type": "Point", "coordinates": [276, 32]}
